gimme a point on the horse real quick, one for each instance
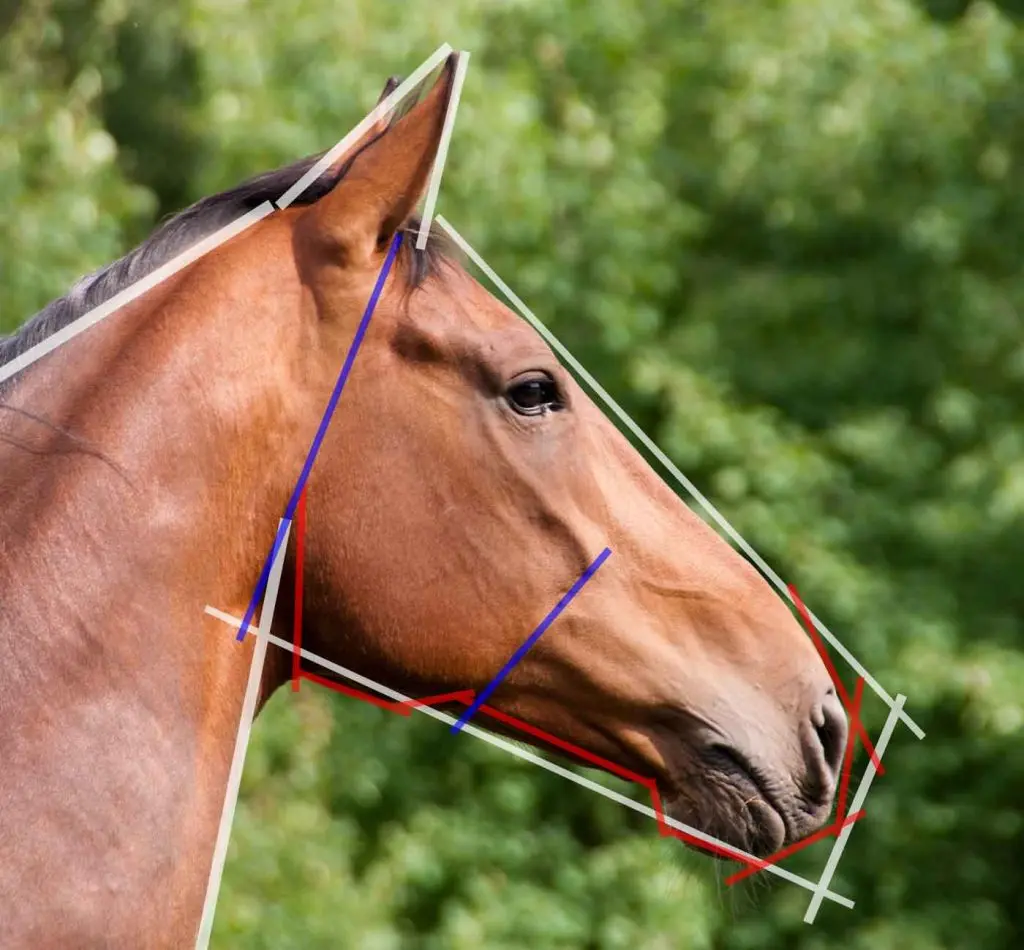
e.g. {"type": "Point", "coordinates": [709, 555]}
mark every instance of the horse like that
{"type": "Point", "coordinates": [463, 485]}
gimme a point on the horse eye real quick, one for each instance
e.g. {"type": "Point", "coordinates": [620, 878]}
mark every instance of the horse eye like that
{"type": "Point", "coordinates": [534, 394]}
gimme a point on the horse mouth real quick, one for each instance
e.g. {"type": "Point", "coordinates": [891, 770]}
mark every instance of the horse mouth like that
{"type": "Point", "coordinates": [735, 804]}
{"type": "Point", "coordinates": [769, 828]}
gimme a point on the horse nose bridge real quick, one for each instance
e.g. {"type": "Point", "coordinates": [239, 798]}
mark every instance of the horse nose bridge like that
{"type": "Point", "coordinates": [750, 626]}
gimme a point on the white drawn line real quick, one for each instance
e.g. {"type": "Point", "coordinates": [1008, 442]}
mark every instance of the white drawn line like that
{"type": "Point", "coordinates": [252, 692]}
{"type": "Point", "coordinates": [855, 806]}
{"type": "Point", "coordinates": [462, 64]}
{"type": "Point", "coordinates": [135, 291]}
{"type": "Point", "coordinates": [207, 244]}
{"type": "Point", "coordinates": [672, 468]}
{"type": "Point", "coordinates": [526, 755]}
{"type": "Point", "coordinates": [377, 113]}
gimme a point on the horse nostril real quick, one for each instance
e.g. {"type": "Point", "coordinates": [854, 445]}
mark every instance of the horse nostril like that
{"type": "Point", "coordinates": [830, 725]}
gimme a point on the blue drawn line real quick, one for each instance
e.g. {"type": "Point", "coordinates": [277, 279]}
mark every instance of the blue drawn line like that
{"type": "Point", "coordinates": [261, 584]}
{"type": "Point", "coordinates": [485, 693]}
{"type": "Point", "coordinates": [307, 467]}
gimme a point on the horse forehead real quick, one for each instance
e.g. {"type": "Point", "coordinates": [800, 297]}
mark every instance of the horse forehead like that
{"type": "Point", "coordinates": [468, 302]}
{"type": "Point", "coordinates": [463, 319]}
{"type": "Point", "coordinates": [513, 342]}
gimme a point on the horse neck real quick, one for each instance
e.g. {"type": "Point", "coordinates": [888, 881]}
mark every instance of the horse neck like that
{"type": "Point", "coordinates": [172, 432]}
{"type": "Point", "coordinates": [160, 471]}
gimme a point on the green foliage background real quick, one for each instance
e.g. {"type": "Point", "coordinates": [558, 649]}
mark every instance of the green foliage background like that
{"type": "Point", "coordinates": [786, 235]}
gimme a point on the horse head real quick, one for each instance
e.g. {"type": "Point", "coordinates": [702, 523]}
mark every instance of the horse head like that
{"type": "Point", "coordinates": [468, 480]}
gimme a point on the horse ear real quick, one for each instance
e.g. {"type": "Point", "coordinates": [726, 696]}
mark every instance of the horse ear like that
{"type": "Point", "coordinates": [386, 179]}
{"type": "Point", "coordinates": [389, 87]}
{"type": "Point", "coordinates": [376, 130]}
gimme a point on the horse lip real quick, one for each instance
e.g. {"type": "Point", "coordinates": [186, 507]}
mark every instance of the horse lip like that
{"type": "Point", "coordinates": [735, 762]}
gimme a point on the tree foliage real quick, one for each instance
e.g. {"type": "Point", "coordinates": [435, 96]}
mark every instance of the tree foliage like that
{"type": "Point", "coordinates": [786, 236]}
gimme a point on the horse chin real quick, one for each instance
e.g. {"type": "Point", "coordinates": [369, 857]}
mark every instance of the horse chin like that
{"type": "Point", "coordinates": [748, 824]}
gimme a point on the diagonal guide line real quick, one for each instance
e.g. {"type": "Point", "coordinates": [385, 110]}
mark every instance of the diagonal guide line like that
{"type": "Point", "coordinates": [844, 781]}
{"type": "Point", "coordinates": [856, 805]}
{"type": "Point", "coordinates": [346, 369]}
{"type": "Point", "coordinates": [224, 234]}
{"type": "Point", "coordinates": [369, 121]}
{"type": "Point", "coordinates": [552, 616]}
{"type": "Point", "coordinates": [442, 150]}
{"type": "Point", "coordinates": [529, 756]}
{"type": "Point", "coordinates": [842, 817]}
{"type": "Point", "coordinates": [695, 493]}
{"type": "Point", "coordinates": [252, 691]}
{"type": "Point", "coordinates": [261, 584]}
{"type": "Point", "coordinates": [133, 292]}
{"type": "Point", "coordinates": [844, 697]}
{"type": "Point", "coordinates": [300, 572]}
{"type": "Point", "coordinates": [465, 696]}
{"type": "Point", "coordinates": [270, 577]}
{"type": "Point", "coordinates": [325, 421]}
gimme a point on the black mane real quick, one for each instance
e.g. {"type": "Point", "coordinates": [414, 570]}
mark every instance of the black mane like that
{"type": "Point", "coordinates": [185, 229]}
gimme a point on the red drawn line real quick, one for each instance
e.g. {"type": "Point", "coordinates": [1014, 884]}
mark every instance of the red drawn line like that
{"type": "Point", "coordinates": [667, 831]}
{"type": "Point", "coordinates": [403, 709]}
{"type": "Point", "coordinates": [840, 688]}
{"type": "Point", "coordinates": [300, 558]}
{"type": "Point", "coordinates": [844, 782]}
{"type": "Point", "coordinates": [466, 698]}
{"type": "Point", "coordinates": [841, 821]}
{"type": "Point", "coordinates": [751, 864]}
{"type": "Point", "coordinates": [826, 832]}
{"type": "Point", "coordinates": [591, 759]}
{"type": "Point", "coordinates": [583, 754]}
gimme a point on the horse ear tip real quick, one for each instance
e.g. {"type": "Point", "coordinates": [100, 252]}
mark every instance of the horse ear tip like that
{"type": "Point", "coordinates": [451, 63]}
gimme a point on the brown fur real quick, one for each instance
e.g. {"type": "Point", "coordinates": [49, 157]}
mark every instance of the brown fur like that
{"type": "Point", "coordinates": [442, 527]}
